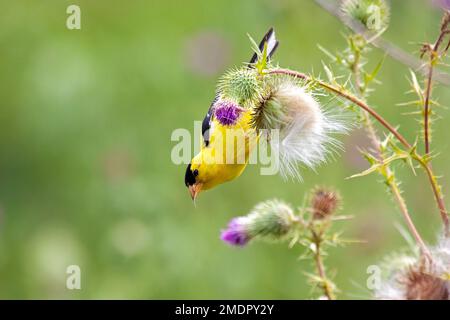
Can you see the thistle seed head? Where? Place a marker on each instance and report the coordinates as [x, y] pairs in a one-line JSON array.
[[441, 257], [373, 14], [420, 285], [303, 129], [324, 203], [419, 279], [269, 113]]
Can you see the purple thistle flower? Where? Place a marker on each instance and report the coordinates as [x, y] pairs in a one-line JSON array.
[[227, 112], [235, 234]]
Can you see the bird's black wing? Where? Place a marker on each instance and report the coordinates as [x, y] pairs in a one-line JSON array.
[[272, 45], [206, 124]]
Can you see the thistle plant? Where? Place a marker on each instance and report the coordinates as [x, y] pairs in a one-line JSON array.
[[426, 275], [310, 227]]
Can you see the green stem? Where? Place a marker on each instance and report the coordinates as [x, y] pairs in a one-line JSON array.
[[434, 56], [326, 284], [404, 210], [437, 193], [426, 121]]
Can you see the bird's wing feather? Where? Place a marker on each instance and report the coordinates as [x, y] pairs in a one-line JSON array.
[[206, 124], [272, 45]]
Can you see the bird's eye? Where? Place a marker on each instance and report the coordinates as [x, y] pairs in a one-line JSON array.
[[195, 172]]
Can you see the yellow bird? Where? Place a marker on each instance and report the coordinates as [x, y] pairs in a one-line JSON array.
[[225, 129], [223, 159]]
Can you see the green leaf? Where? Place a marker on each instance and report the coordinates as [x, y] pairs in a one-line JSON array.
[[416, 86], [255, 46], [369, 157], [369, 77], [261, 65], [410, 103], [410, 163], [328, 73], [380, 165], [372, 169], [328, 53]]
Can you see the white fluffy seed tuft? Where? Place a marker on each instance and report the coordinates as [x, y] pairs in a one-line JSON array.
[[415, 279], [306, 135]]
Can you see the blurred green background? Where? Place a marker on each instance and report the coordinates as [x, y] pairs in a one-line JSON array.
[[86, 176]]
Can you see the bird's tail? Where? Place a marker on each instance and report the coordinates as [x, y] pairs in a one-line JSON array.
[[272, 44]]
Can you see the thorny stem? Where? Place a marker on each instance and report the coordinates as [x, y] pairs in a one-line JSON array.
[[437, 194], [336, 90], [404, 209], [392, 183], [356, 73], [434, 55], [426, 122], [327, 288], [371, 132]]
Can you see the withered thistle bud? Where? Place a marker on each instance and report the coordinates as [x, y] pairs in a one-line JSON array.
[[324, 203], [420, 285], [415, 279]]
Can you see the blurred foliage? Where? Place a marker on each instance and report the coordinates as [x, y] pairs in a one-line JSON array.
[[85, 170]]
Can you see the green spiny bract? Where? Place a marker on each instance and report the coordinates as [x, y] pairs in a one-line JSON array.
[[240, 85], [373, 14], [268, 112], [271, 220]]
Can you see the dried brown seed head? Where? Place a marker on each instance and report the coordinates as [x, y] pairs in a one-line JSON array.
[[324, 203], [420, 285]]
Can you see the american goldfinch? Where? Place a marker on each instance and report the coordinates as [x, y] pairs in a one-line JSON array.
[[210, 167], [252, 104]]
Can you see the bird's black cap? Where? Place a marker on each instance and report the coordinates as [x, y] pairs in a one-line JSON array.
[[189, 178]]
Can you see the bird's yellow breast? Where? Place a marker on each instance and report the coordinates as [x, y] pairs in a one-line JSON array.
[[227, 153]]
